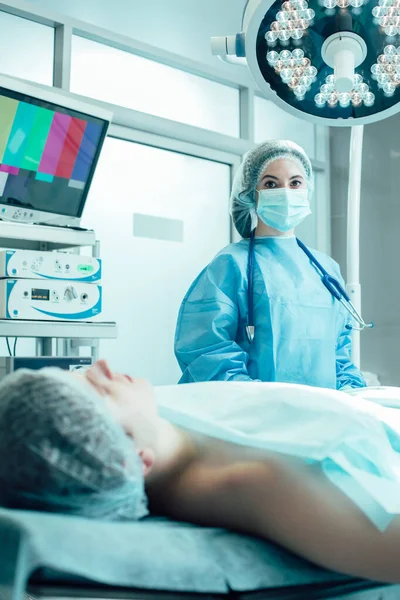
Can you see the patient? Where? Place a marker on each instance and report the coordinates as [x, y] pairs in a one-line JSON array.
[[75, 443]]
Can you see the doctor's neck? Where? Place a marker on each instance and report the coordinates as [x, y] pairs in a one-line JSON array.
[[263, 230]]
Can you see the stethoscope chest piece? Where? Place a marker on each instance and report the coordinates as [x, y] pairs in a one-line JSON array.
[[250, 331]]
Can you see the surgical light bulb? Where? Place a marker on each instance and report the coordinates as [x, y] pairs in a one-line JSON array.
[[390, 50], [311, 72], [356, 99], [357, 79], [300, 90], [320, 100], [297, 34], [287, 6], [356, 3], [326, 90], [271, 37], [333, 99], [303, 23], [389, 88], [285, 56], [363, 89], [390, 31], [306, 81], [272, 57], [282, 17], [330, 4], [284, 36], [343, 3], [369, 99], [298, 54], [376, 69], [286, 75], [344, 100], [330, 80], [383, 78]]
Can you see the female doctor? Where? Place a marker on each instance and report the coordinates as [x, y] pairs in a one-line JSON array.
[[260, 310]]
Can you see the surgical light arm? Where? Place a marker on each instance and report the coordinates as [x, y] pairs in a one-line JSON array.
[[229, 49]]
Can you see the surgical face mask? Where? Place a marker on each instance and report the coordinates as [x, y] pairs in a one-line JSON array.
[[283, 209]]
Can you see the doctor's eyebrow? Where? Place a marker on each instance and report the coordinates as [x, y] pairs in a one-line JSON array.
[[277, 178], [269, 177]]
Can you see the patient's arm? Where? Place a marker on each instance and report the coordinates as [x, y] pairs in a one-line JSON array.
[[292, 504]]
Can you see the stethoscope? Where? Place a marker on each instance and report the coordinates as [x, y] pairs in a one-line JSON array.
[[332, 285]]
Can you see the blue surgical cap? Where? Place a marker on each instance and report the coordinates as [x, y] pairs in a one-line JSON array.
[[243, 196], [61, 450]]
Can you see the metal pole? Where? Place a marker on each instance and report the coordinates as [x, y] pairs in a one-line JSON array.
[[44, 346], [353, 230]]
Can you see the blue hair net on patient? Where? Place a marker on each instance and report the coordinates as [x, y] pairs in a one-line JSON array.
[[243, 196], [61, 451]]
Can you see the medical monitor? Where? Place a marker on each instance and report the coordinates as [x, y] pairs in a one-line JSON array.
[[50, 143]]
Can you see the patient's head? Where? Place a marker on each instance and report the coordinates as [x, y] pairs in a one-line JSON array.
[[132, 404], [64, 449]]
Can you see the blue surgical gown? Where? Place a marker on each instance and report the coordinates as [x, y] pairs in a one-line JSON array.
[[300, 329]]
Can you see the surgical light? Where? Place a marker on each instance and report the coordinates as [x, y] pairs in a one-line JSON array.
[[334, 62]]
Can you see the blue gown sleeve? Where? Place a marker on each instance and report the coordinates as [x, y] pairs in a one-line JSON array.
[[347, 374], [207, 325]]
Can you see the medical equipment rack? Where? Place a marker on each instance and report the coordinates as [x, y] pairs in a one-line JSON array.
[[68, 336]]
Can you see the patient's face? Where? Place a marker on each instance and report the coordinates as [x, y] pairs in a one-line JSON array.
[[131, 402]]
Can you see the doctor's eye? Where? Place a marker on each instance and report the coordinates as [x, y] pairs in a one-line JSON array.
[[296, 183], [270, 185]]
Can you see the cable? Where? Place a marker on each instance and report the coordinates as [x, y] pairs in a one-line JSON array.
[[8, 346], [15, 346]]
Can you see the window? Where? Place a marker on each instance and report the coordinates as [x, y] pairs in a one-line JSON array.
[[27, 49], [105, 73]]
